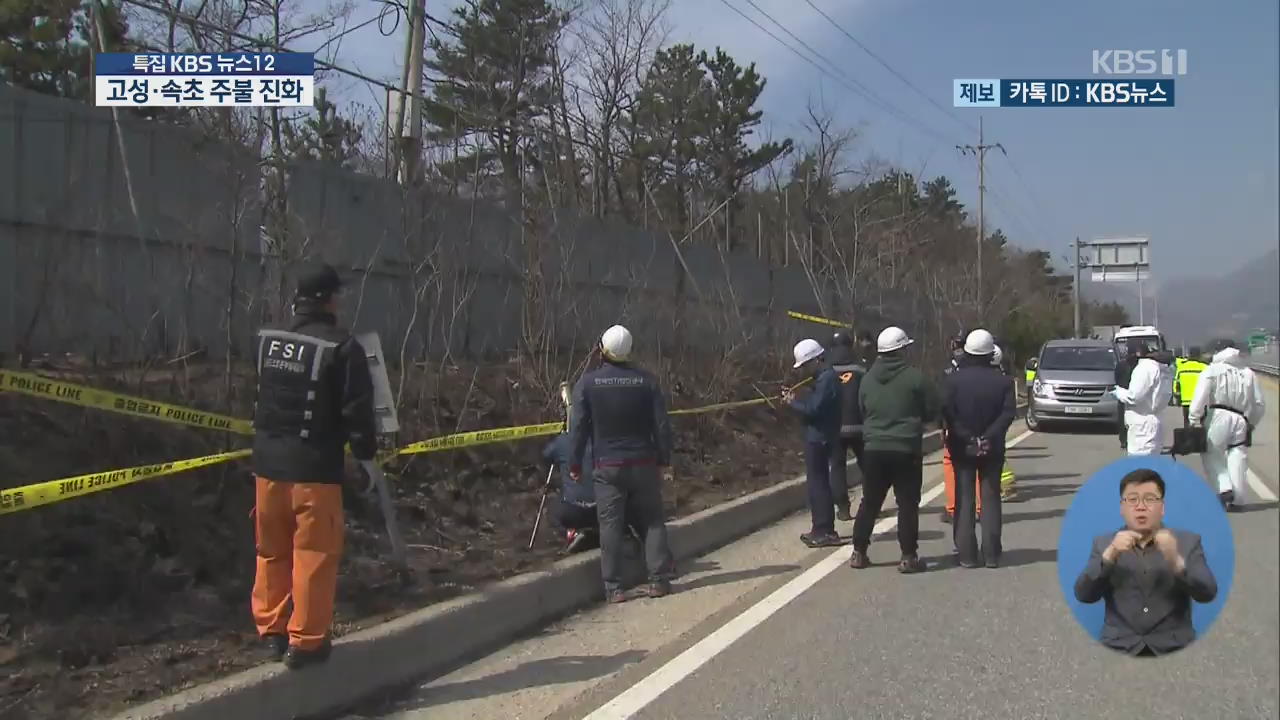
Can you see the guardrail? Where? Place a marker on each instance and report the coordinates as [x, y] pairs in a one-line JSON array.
[[1266, 368]]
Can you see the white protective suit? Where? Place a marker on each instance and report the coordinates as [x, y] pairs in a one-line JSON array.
[[1228, 381], [1150, 388]]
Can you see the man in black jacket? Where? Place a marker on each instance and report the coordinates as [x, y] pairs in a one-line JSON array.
[[1147, 573], [315, 395], [849, 365], [820, 410], [978, 407], [620, 410]]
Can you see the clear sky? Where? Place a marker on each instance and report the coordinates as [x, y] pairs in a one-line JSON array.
[[1200, 178]]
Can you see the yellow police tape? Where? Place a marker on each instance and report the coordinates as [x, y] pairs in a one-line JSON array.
[[31, 496], [481, 437], [72, 394], [45, 493], [816, 319]]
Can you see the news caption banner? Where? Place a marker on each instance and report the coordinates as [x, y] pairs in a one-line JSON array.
[[204, 79], [1146, 92]]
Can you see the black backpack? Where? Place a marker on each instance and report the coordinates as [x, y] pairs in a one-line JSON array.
[[850, 378]]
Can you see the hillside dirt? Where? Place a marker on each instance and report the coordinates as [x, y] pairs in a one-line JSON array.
[[122, 596]]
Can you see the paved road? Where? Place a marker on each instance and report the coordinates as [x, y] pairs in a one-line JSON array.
[[765, 628]]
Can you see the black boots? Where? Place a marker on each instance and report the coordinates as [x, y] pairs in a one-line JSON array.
[[297, 658], [278, 645]]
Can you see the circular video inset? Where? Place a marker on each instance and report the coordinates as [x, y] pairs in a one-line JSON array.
[[1146, 556]]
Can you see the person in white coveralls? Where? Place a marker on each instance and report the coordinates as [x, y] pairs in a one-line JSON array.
[[1229, 393], [1150, 388]]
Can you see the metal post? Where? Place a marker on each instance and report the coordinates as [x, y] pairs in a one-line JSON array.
[[1076, 290], [982, 189], [410, 110], [1142, 302], [759, 235]]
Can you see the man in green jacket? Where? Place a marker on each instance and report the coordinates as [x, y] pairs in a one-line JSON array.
[[895, 401]]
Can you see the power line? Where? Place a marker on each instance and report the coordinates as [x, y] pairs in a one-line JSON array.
[[388, 8], [888, 67], [1037, 205], [264, 43], [855, 87]]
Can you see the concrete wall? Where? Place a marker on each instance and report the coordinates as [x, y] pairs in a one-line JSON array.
[[80, 272]]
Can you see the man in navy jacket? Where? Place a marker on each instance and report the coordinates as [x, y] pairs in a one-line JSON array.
[[821, 412]]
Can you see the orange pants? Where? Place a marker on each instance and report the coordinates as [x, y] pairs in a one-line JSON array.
[[299, 530], [949, 481]]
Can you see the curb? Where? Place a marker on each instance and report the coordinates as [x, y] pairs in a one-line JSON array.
[[436, 639]]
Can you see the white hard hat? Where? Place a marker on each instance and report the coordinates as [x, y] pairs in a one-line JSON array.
[[980, 342], [616, 343], [806, 350], [892, 338], [997, 357]]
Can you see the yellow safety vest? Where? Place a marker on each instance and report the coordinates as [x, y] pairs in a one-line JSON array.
[[1186, 378], [1006, 477], [1031, 377]]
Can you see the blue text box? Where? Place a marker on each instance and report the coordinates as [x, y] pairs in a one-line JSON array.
[[975, 93], [142, 64], [1152, 92]]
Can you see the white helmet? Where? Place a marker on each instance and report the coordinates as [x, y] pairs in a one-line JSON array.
[[807, 350], [616, 343], [892, 338], [980, 342], [997, 357]]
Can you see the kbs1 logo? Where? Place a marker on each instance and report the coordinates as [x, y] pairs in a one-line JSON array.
[[1140, 62]]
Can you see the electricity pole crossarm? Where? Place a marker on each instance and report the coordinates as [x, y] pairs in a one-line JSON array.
[[980, 151]]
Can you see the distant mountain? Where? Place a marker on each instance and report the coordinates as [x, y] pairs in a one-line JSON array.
[[1197, 309]]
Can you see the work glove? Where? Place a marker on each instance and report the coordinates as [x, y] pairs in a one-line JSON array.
[[668, 475]]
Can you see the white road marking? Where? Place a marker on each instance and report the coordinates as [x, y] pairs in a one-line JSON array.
[[635, 698], [1260, 488]]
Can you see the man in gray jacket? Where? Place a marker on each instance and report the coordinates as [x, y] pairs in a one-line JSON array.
[[1147, 574]]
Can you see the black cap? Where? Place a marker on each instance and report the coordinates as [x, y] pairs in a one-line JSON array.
[[842, 339], [318, 281]]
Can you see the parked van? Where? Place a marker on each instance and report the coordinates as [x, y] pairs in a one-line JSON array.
[[1073, 384]]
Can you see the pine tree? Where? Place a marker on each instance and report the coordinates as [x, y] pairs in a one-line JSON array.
[[497, 82], [730, 120], [44, 44]]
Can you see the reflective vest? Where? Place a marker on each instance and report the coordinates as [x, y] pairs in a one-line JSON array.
[[1188, 375], [1031, 377], [293, 397]]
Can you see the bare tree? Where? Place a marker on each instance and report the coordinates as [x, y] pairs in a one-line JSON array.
[[619, 38]]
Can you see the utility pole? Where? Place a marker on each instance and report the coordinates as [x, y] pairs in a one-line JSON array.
[[408, 122], [1075, 287], [980, 151], [1142, 304]]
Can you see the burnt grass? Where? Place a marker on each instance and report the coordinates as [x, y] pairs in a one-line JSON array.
[[127, 595]]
